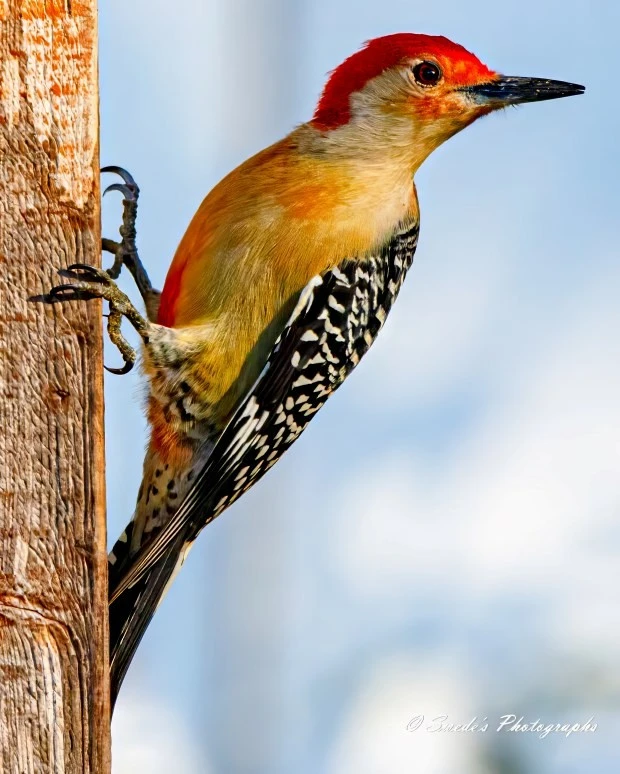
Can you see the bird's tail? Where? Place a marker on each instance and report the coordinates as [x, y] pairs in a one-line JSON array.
[[132, 611], [132, 606]]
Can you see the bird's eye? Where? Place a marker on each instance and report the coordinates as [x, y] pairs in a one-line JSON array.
[[427, 73]]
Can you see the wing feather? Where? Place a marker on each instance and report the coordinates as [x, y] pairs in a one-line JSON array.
[[335, 320]]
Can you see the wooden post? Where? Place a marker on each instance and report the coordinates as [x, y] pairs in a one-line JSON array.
[[54, 705]]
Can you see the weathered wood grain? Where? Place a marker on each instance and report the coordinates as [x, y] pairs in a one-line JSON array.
[[54, 714]]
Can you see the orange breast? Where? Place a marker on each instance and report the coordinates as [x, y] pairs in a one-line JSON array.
[[257, 239]]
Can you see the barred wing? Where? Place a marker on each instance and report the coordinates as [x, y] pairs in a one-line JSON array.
[[335, 320]]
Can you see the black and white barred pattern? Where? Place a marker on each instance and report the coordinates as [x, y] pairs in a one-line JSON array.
[[335, 321]]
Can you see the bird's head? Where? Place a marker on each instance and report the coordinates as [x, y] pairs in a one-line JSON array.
[[421, 87]]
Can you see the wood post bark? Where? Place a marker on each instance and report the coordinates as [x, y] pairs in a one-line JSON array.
[[54, 705]]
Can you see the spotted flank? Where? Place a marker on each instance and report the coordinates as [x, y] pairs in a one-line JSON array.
[[335, 321], [163, 489]]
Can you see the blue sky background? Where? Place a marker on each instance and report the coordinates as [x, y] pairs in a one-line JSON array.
[[444, 538]]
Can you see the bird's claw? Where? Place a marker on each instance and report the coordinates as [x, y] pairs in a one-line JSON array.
[[125, 252], [83, 272], [88, 282], [129, 193], [128, 353], [130, 190]]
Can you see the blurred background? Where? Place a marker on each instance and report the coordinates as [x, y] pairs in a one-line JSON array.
[[444, 539]]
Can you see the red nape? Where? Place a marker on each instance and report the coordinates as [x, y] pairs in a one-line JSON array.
[[379, 55]]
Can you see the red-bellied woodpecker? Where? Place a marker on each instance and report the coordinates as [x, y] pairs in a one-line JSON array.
[[280, 285]]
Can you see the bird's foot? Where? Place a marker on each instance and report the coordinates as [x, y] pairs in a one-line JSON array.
[[126, 252], [89, 282]]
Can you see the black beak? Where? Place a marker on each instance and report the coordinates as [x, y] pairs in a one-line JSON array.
[[509, 90]]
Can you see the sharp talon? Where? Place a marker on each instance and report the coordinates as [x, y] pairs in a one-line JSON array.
[[125, 251], [120, 371], [86, 268], [128, 191], [84, 272], [127, 178], [70, 293], [82, 267]]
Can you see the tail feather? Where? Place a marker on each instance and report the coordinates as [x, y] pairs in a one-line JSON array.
[[132, 611], [164, 486], [119, 554]]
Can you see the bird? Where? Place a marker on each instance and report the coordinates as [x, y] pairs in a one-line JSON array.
[[281, 283]]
